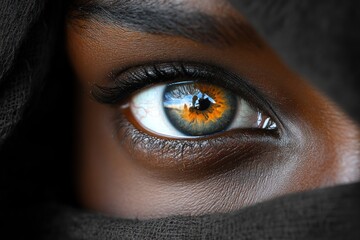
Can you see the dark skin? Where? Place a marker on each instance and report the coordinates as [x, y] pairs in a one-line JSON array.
[[315, 145]]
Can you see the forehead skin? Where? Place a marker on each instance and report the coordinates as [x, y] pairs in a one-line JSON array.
[[319, 145]]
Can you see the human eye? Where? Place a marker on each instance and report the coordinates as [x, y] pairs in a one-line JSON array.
[[174, 107], [189, 109]]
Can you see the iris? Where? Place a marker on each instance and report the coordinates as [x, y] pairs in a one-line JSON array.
[[197, 109]]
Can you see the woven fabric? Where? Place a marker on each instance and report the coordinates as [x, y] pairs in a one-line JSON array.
[[330, 213], [26, 36]]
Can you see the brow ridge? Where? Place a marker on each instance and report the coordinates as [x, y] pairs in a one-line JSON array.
[[167, 18]]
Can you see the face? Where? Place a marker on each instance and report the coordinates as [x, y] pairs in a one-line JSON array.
[[184, 109]]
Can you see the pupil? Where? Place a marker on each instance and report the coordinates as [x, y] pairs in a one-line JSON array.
[[202, 104]]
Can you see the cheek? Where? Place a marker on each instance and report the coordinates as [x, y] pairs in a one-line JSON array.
[[110, 181], [325, 140]]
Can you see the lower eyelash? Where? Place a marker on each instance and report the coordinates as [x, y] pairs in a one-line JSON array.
[[189, 158]]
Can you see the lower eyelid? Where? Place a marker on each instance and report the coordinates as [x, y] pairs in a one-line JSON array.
[[195, 158]]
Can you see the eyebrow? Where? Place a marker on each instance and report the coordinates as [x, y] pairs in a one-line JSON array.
[[167, 18]]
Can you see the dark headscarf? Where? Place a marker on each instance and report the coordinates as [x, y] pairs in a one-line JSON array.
[[318, 39], [33, 74]]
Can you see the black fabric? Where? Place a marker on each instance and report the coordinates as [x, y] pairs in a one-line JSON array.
[[318, 39], [330, 213], [35, 171], [26, 43], [35, 117]]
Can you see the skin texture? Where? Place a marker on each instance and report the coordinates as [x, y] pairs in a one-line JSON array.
[[135, 177]]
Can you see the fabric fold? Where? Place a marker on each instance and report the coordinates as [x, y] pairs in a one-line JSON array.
[[329, 213]]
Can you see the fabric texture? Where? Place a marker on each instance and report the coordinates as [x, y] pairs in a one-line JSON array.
[[23, 46], [34, 172], [318, 39], [330, 213]]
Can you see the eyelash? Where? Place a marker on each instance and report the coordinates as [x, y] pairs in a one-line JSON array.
[[133, 79], [182, 152]]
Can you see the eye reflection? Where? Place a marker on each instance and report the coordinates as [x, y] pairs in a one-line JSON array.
[[194, 109], [197, 109]]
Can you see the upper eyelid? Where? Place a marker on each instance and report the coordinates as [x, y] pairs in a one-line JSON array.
[[130, 78], [125, 82]]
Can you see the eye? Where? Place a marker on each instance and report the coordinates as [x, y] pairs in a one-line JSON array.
[[189, 109], [168, 114]]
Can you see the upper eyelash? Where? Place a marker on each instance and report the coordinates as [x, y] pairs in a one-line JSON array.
[[128, 81]]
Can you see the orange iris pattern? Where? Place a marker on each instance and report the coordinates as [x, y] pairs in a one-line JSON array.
[[213, 113], [196, 108]]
